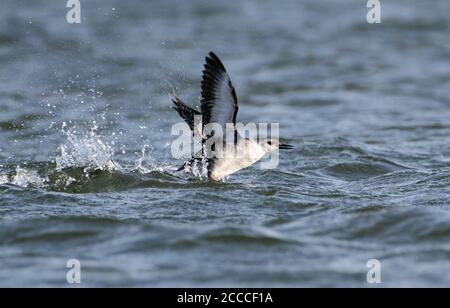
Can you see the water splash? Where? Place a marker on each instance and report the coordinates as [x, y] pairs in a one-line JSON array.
[[4, 179], [85, 150], [197, 168], [145, 162], [24, 177], [86, 162], [27, 178]]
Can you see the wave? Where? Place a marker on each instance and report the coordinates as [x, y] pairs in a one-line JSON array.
[[85, 164]]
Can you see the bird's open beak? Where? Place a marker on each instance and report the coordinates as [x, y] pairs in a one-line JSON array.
[[286, 146]]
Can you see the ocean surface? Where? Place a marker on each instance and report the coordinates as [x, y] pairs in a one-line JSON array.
[[86, 170]]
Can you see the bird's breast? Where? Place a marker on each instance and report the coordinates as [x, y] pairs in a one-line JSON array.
[[234, 159]]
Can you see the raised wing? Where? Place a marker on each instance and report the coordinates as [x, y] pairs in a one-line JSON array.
[[219, 101], [186, 112]]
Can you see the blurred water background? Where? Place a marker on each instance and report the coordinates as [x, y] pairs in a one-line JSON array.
[[86, 170]]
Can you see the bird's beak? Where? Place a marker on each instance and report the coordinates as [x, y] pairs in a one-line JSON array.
[[284, 146]]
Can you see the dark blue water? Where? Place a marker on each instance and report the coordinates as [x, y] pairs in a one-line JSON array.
[[86, 170]]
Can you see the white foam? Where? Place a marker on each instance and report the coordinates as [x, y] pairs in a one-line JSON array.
[[3, 179], [27, 178]]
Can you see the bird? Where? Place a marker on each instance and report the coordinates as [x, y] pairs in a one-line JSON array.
[[219, 106]]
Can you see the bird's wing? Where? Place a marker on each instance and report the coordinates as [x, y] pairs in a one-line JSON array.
[[218, 101], [186, 112]]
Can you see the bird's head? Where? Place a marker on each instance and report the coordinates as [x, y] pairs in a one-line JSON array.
[[269, 145]]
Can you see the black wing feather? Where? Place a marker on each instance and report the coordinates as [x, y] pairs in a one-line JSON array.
[[186, 112], [219, 102]]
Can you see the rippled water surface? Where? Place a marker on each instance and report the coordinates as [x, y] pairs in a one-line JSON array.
[[85, 130]]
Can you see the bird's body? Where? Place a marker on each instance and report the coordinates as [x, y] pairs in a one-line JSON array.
[[231, 162], [219, 106]]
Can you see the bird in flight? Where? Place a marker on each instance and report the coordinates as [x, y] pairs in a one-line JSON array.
[[219, 107]]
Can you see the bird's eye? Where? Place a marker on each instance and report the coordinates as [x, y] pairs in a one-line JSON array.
[[269, 142]]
